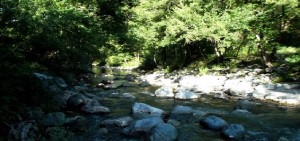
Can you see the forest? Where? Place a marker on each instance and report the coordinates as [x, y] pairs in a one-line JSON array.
[[66, 38]]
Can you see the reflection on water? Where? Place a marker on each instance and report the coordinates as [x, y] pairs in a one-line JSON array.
[[267, 120]]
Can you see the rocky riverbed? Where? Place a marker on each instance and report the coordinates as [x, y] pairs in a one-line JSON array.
[[242, 105]]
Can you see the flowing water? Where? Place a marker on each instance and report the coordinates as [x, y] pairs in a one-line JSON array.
[[269, 122]]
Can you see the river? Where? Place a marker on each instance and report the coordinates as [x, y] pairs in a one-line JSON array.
[[267, 122]]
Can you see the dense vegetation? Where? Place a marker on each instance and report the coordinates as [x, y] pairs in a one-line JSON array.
[[66, 36]]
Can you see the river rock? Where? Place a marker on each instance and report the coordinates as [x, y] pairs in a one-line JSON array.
[[202, 111], [262, 90], [284, 97], [245, 104], [182, 113], [233, 132], [145, 84], [54, 119], [179, 109], [94, 107], [121, 122], [76, 100], [213, 123], [129, 84], [202, 84], [142, 126], [130, 77], [128, 96], [238, 87], [282, 93], [163, 132], [164, 91], [242, 113], [144, 110], [186, 94]]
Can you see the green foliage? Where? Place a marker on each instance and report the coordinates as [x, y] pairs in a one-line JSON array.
[[118, 59], [68, 35], [227, 29], [290, 55], [43, 35]]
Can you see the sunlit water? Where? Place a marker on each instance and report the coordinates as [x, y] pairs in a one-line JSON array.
[[267, 120]]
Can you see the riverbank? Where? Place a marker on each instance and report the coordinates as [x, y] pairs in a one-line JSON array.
[[125, 105], [246, 83]]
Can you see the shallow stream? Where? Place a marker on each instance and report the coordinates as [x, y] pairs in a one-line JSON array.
[[268, 122]]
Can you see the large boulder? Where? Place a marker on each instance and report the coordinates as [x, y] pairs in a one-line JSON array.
[[144, 110], [120, 122], [282, 93], [234, 132], [142, 127], [182, 113], [238, 87], [245, 104], [202, 84], [213, 123], [94, 107], [242, 113], [164, 91], [144, 84], [186, 94], [163, 132]]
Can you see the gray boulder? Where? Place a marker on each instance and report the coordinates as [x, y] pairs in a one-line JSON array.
[[234, 132], [238, 87], [242, 113], [128, 96], [142, 109], [120, 122], [163, 132], [246, 104], [179, 109], [142, 126], [213, 123], [186, 94], [145, 84], [183, 113], [94, 107], [130, 77], [164, 91]]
